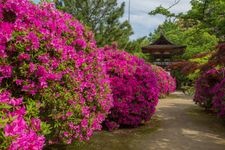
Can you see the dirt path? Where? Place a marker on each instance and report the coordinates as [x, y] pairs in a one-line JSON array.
[[185, 126], [178, 125]]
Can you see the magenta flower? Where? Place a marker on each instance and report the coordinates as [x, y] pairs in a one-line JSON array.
[[24, 56], [36, 124], [34, 40], [81, 43], [16, 127], [6, 71]]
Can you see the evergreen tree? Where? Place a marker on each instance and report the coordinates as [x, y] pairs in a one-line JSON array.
[[102, 17]]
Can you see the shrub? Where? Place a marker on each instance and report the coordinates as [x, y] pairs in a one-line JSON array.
[[134, 89], [219, 98], [205, 87], [52, 80], [165, 82]]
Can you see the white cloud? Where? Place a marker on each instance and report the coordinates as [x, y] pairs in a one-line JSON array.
[[144, 24]]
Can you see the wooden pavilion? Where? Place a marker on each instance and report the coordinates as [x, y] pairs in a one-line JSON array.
[[162, 51]]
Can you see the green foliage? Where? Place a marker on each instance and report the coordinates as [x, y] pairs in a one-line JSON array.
[[209, 14], [193, 76], [32, 108], [201, 60], [170, 29], [181, 79], [4, 141], [102, 17], [163, 11], [197, 41]]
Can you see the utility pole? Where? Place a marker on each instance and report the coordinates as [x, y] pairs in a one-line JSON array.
[[129, 11]]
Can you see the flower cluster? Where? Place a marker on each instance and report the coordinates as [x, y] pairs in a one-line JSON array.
[[210, 91], [25, 133], [51, 75], [219, 97], [165, 82], [134, 89], [204, 87]]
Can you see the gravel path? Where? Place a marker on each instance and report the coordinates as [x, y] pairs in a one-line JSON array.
[[178, 125]]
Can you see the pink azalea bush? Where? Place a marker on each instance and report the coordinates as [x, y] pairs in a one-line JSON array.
[[204, 88], [134, 89], [52, 79], [210, 91], [165, 82], [219, 97]]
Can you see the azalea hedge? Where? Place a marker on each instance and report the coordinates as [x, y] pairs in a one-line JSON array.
[[57, 86], [54, 88], [134, 88], [210, 91]]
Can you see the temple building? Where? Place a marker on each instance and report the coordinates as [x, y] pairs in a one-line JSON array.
[[162, 51]]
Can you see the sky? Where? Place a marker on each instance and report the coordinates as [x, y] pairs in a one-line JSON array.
[[141, 22]]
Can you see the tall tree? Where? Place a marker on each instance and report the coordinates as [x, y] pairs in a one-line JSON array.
[[101, 16], [210, 14]]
